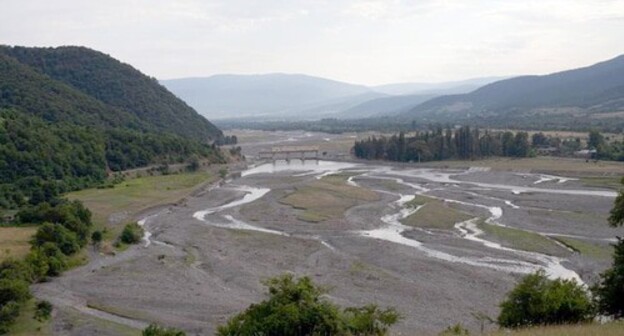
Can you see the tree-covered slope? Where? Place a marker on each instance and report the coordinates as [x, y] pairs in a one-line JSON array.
[[591, 93], [118, 86], [24, 89], [71, 116]]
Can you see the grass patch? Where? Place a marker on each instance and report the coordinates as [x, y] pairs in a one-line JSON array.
[[27, 325], [611, 182], [593, 329], [78, 319], [544, 164], [434, 214], [137, 194], [15, 241], [327, 198], [591, 250], [523, 240]]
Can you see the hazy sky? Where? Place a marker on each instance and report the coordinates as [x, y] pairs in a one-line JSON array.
[[367, 42]]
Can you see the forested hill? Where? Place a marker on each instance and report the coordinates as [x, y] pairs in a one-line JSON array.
[[105, 90], [590, 95], [69, 117]]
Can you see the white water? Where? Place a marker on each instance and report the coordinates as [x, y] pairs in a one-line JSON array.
[[251, 194], [440, 177], [393, 232], [310, 167], [393, 229]]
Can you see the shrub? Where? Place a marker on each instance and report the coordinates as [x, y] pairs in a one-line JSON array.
[[155, 330], [457, 329], [43, 310], [131, 233], [297, 307], [609, 292], [537, 300], [66, 240]]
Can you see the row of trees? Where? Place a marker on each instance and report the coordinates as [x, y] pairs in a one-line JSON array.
[[439, 144]]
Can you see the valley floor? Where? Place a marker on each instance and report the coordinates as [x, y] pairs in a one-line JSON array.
[[438, 243]]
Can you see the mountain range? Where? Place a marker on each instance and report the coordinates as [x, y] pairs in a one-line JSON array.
[[593, 94], [294, 96]]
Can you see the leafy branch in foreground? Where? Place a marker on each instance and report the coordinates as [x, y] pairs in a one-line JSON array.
[[298, 307]]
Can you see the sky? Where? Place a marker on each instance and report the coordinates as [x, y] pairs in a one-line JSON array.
[[365, 42]]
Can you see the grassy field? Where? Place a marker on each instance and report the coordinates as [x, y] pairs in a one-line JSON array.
[[434, 214], [591, 250], [15, 241], [613, 182], [608, 329], [327, 198], [136, 195], [554, 165], [523, 240]]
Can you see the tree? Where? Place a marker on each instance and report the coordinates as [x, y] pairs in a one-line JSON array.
[[66, 240], [131, 234], [297, 307], [610, 289], [96, 238], [596, 140], [156, 330], [537, 300]]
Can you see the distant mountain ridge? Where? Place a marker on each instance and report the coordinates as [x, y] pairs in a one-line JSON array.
[[222, 96], [295, 96], [590, 93]]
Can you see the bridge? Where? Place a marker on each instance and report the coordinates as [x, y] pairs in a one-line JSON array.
[[291, 152]]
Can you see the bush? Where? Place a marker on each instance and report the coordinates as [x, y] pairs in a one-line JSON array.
[[537, 300], [66, 240], [131, 234], [43, 310], [457, 329], [609, 292], [155, 330], [296, 307], [8, 313]]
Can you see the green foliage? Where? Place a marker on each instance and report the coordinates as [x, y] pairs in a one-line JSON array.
[[131, 233], [156, 330], [43, 310], [69, 115], [456, 329], [609, 292], [8, 313], [616, 217], [96, 237], [90, 88], [537, 300], [370, 320], [464, 143], [57, 234], [297, 307]]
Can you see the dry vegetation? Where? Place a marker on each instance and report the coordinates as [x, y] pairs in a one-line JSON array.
[[15, 241], [327, 198]]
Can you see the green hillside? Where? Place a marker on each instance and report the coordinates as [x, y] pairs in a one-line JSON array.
[[119, 86], [70, 116]]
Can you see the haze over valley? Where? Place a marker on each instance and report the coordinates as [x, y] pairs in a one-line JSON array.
[[306, 168]]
